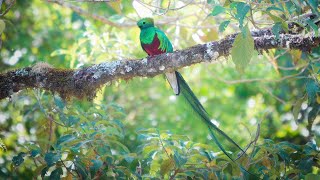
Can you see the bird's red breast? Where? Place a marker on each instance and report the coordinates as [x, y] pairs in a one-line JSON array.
[[153, 48]]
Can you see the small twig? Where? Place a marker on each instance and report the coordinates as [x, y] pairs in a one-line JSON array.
[[276, 97], [176, 171], [254, 143], [92, 15], [67, 168], [160, 8], [35, 162], [44, 111], [50, 132], [8, 8], [162, 145], [262, 79]]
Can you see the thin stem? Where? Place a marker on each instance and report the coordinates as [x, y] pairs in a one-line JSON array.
[[8, 8]]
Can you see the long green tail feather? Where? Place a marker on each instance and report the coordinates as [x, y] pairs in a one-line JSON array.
[[193, 101]]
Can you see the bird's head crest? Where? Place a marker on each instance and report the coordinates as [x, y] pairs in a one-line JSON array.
[[145, 23]]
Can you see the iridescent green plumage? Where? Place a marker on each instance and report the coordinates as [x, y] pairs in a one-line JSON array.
[[148, 32]]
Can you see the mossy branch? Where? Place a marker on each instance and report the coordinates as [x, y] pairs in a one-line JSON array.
[[84, 82]]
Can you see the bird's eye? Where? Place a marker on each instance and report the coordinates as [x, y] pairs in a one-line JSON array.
[[143, 22]]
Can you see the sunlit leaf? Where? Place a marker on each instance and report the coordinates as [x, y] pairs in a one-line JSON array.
[[223, 25], [2, 26], [242, 10], [314, 5], [313, 26], [242, 50], [311, 176], [217, 10], [274, 8], [117, 18]]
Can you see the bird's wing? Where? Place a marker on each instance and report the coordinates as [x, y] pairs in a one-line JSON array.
[[165, 43]]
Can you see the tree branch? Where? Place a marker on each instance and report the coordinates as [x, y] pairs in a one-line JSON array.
[[84, 82]]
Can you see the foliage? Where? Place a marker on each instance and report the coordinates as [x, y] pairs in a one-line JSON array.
[[138, 129]]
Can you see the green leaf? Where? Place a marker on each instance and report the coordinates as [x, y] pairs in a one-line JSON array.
[[179, 160], [59, 102], [314, 5], [56, 174], [297, 106], [312, 88], [312, 176], [2, 26], [35, 152], [18, 160], [130, 157], [313, 114], [290, 7], [313, 26], [166, 166], [242, 10], [310, 149], [112, 131], [51, 158], [276, 29], [305, 164], [275, 18], [65, 139], [104, 149], [76, 147], [223, 25], [81, 169], [242, 50], [117, 18], [211, 1], [217, 10], [71, 120], [96, 165], [274, 8]]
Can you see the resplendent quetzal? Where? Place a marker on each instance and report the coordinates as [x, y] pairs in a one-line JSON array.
[[154, 42]]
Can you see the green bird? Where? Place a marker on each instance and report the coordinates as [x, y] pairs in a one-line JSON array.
[[153, 42]]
